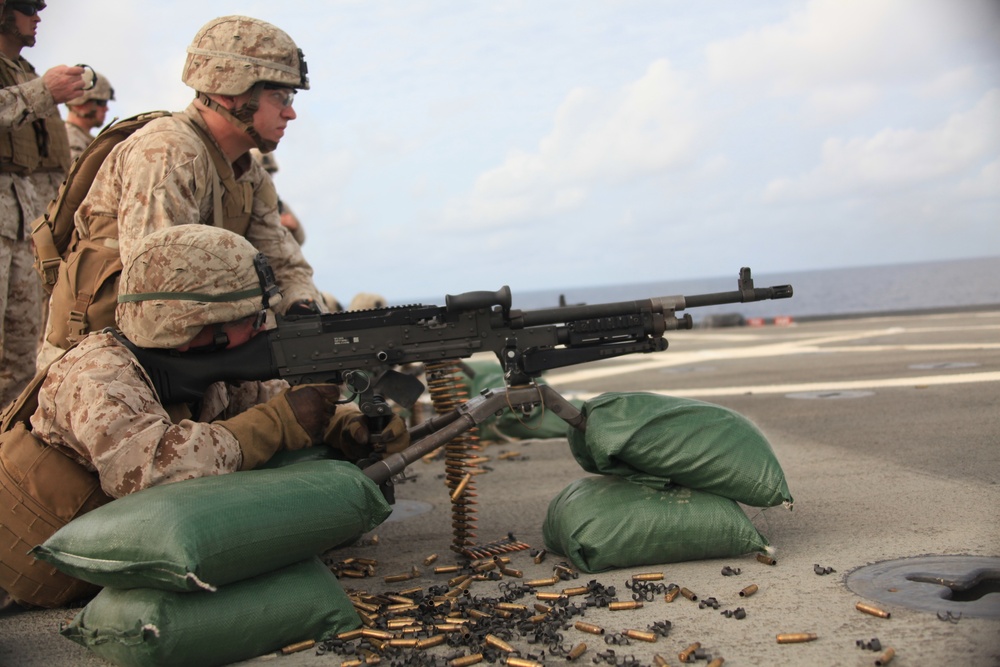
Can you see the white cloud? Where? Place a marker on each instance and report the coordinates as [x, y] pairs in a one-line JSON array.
[[984, 185], [894, 159], [645, 128]]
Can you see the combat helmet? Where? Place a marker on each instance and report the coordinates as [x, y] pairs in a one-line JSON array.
[[232, 55], [101, 90], [180, 279]]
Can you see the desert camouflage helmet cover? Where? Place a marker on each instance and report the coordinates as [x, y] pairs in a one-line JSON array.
[[232, 53], [102, 90], [179, 279]]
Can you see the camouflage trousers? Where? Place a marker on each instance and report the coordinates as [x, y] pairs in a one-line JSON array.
[[20, 317]]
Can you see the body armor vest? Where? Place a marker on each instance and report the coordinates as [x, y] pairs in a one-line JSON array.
[[41, 145]]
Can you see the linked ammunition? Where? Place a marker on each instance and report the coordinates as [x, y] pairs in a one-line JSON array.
[[466, 661], [583, 626], [641, 635], [649, 576], [886, 657], [300, 646], [428, 642], [688, 594], [685, 655], [874, 611], [460, 489], [748, 591], [499, 644], [621, 606], [796, 637], [766, 560], [576, 651]]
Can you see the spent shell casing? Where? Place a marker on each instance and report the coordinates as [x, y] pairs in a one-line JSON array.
[[534, 583], [511, 572], [397, 623], [428, 642], [540, 556], [796, 637], [300, 646], [549, 596], [583, 626], [467, 660], [718, 662], [497, 643], [672, 593], [648, 576], [685, 655], [640, 635], [874, 611], [350, 635], [430, 559], [460, 489], [660, 661], [403, 642], [351, 663], [579, 590], [766, 560], [510, 606], [523, 662], [886, 657], [748, 591], [576, 651], [447, 569], [621, 606], [373, 633], [688, 594]]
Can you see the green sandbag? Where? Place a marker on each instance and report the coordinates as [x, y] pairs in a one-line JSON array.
[[142, 627], [603, 523], [661, 440], [538, 424], [208, 532]]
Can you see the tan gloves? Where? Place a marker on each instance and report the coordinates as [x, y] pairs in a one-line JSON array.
[[294, 419], [348, 432]]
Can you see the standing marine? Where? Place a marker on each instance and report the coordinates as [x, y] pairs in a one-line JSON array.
[[86, 113]]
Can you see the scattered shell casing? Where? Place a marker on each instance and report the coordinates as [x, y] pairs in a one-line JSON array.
[[403, 642], [549, 596], [522, 662], [396, 623], [874, 611], [589, 627], [576, 652], [447, 569], [542, 608], [466, 661], [886, 657], [300, 646], [685, 655], [718, 662], [410, 592], [460, 489], [430, 559], [460, 579], [796, 637], [428, 642], [648, 576], [688, 594], [579, 590], [497, 643], [350, 635], [660, 661], [511, 606], [766, 560], [540, 556], [376, 634], [748, 591], [551, 581], [477, 614], [672, 594], [621, 606], [641, 635]]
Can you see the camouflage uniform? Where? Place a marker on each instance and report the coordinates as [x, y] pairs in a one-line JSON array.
[[23, 197], [79, 139]]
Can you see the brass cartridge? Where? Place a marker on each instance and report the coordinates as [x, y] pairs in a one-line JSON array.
[[589, 627], [403, 642], [510, 606], [718, 662], [688, 594], [660, 661], [460, 489], [874, 611], [551, 581], [522, 662], [540, 556], [886, 657], [466, 661], [376, 634], [672, 594], [796, 637], [460, 579], [766, 560], [497, 643], [447, 569], [641, 635], [549, 596], [648, 576], [430, 559], [350, 635], [428, 642], [685, 655], [576, 651], [621, 606], [579, 590], [541, 608], [300, 646], [748, 591], [511, 572], [477, 614]]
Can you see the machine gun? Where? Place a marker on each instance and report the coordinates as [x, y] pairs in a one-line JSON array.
[[361, 348]]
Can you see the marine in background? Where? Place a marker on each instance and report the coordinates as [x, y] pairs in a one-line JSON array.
[[190, 167], [87, 113], [34, 156]]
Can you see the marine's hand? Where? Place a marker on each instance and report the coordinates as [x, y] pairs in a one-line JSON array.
[[64, 82], [302, 307], [353, 437], [313, 406]]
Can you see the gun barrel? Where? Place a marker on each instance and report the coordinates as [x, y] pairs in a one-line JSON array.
[[755, 294]]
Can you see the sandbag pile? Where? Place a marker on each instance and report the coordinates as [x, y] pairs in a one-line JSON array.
[[672, 472], [218, 569]]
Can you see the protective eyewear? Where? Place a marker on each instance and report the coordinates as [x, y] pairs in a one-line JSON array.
[[27, 10], [282, 95]]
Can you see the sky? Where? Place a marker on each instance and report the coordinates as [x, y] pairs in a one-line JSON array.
[[454, 145]]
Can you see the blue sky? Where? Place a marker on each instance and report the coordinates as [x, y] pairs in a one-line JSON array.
[[449, 145]]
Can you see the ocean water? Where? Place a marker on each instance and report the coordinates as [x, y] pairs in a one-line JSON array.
[[821, 293]]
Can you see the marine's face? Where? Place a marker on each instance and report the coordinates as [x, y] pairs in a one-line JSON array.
[[275, 113], [94, 111], [26, 19]]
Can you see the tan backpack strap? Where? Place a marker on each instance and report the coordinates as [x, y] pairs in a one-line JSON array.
[[47, 257], [21, 408]]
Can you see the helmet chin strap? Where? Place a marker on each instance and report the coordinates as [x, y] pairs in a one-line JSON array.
[[242, 118]]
